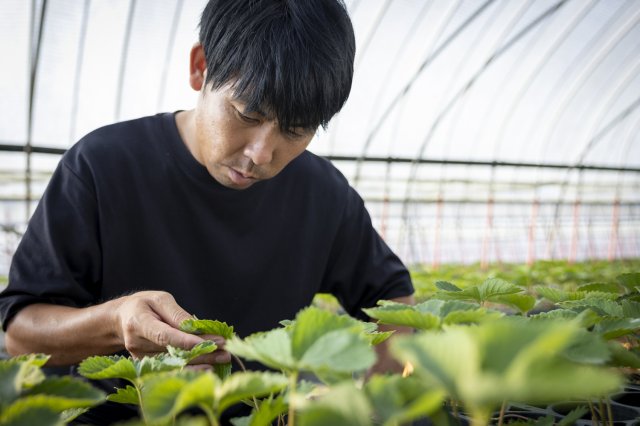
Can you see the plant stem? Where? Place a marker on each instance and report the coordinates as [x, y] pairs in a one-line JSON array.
[[594, 417], [502, 410], [213, 420], [293, 381]]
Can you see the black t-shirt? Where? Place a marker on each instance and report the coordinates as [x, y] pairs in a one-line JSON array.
[[130, 209]]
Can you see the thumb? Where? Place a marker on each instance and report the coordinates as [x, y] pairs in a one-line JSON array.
[[169, 310]]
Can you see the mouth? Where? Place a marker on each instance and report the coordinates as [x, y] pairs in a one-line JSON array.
[[240, 178]]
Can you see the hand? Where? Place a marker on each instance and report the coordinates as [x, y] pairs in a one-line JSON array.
[[148, 321]]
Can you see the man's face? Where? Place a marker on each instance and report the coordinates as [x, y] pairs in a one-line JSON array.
[[238, 147]]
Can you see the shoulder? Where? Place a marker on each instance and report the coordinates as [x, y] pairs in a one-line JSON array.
[[115, 143], [318, 171]]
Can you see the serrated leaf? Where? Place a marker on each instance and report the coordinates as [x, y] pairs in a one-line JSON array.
[[600, 305], [19, 373], [35, 410], [471, 316], [469, 293], [573, 415], [108, 367], [494, 287], [522, 302], [243, 385], [157, 364], [339, 351], [71, 414], [630, 280], [37, 360], [345, 405], [128, 395], [213, 327], [588, 348], [447, 286], [378, 337], [201, 348], [404, 315], [630, 309], [399, 400], [311, 323], [556, 295], [271, 348], [71, 392], [165, 395], [600, 287], [622, 357], [267, 411], [614, 328]]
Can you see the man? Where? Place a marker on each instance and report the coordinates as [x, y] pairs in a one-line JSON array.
[[218, 212]]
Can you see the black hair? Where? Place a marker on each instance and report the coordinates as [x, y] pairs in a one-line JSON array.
[[292, 58]]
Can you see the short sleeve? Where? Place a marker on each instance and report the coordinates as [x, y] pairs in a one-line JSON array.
[[362, 268], [58, 258]]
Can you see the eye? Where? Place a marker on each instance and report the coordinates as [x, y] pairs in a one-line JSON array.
[[246, 118]]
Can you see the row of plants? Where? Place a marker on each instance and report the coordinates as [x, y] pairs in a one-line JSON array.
[[480, 354]]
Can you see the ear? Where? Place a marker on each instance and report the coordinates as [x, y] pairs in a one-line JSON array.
[[197, 67]]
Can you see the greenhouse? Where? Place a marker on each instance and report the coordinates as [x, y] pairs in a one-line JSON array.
[[495, 145]]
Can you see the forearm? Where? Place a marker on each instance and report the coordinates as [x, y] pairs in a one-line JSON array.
[[386, 363], [68, 334]]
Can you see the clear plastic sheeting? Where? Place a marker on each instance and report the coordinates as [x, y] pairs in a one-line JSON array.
[[476, 130]]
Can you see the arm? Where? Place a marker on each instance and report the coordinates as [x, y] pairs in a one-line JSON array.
[[142, 323], [385, 363]]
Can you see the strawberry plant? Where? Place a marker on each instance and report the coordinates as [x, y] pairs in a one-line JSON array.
[[28, 397]]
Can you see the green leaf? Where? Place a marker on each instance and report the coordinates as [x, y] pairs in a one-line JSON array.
[[165, 395], [68, 391], [588, 348], [404, 315], [213, 327], [447, 286], [630, 280], [600, 287], [522, 302], [243, 385], [630, 309], [19, 373], [601, 305], [471, 317], [71, 414], [398, 400], [573, 415], [268, 410], [345, 405], [378, 337], [108, 367], [128, 395], [556, 295], [35, 410], [339, 351], [614, 328], [271, 348], [37, 360], [158, 363], [494, 287], [311, 323], [622, 357], [201, 348]]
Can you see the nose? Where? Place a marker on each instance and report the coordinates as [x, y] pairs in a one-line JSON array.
[[262, 145]]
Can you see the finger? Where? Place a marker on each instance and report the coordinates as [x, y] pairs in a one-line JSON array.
[[163, 334], [218, 340], [168, 309], [217, 357], [200, 367]]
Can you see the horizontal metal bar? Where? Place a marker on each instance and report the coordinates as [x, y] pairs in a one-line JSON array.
[[32, 149], [60, 151], [481, 163]]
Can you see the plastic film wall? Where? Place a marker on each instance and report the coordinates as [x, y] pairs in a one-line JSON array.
[[493, 130]]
